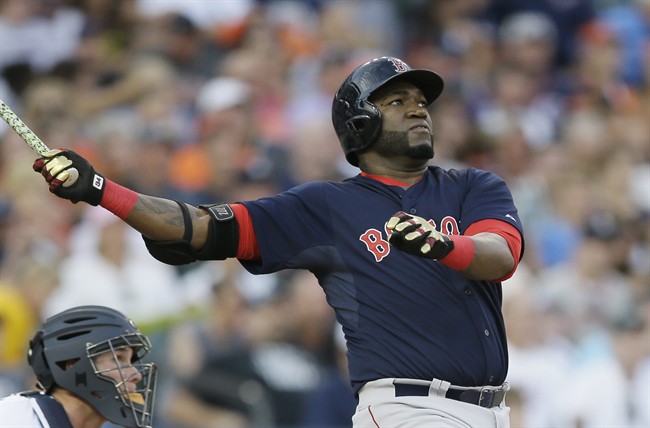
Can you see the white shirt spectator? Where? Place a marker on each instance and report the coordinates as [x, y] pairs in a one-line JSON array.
[[109, 265], [205, 14], [41, 42]]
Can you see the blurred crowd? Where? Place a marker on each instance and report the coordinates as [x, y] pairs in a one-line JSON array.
[[228, 100]]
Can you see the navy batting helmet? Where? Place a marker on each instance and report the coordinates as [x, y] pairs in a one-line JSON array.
[[62, 354], [356, 120]]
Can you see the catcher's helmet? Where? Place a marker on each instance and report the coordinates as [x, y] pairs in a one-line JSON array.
[[62, 355], [356, 120]]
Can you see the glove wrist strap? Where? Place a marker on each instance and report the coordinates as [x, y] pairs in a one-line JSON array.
[[462, 255]]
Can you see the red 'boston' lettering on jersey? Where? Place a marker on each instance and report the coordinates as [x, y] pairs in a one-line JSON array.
[[449, 226], [375, 244]]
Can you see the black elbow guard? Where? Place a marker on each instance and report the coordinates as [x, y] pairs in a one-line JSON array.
[[176, 252], [171, 252], [222, 240], [223, 233]]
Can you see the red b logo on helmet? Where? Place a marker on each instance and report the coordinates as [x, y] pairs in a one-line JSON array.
[[400, 66]]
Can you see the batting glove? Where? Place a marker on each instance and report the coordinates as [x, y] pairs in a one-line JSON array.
[[414, 235], [70, 176]]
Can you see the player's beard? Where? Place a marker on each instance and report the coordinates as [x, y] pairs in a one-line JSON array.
[[393, 143]]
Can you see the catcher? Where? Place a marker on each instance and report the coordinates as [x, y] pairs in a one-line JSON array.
[[87, 362]]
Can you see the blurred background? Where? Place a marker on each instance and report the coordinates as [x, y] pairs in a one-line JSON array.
[[227, 100]]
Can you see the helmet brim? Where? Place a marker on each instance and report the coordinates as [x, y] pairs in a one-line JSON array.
[[430, 83]]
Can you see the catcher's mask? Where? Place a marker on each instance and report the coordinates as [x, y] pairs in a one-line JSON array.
[[63, 354], [356, 120]]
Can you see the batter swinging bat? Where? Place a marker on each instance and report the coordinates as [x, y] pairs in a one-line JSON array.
[[31, 138]]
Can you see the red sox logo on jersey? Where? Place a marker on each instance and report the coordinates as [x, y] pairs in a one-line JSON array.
[[400, 66], [380, 248]]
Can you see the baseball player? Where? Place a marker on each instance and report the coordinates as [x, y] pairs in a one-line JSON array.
[[87, 365], [410, 256]]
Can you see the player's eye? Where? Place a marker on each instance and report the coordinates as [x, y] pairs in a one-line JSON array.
[[124, 355]]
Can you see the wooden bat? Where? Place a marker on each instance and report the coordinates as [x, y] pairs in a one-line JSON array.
[[31, 139]]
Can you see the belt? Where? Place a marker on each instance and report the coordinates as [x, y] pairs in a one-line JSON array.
[[484, 396]]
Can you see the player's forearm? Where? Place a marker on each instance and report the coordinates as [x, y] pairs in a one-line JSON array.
[[492, 258], [162, 220], [158, 219]]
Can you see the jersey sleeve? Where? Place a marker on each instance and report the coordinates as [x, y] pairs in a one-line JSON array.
[[488, 197], [289, 228]]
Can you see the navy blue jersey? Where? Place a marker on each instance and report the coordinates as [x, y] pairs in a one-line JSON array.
[[403, 316]]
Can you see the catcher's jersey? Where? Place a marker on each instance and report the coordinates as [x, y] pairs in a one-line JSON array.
[[19, 411], [403, 316]]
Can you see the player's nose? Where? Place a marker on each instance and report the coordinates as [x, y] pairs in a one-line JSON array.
[[132, 374], [417, 109]]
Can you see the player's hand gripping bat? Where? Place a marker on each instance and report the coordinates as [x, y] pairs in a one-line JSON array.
[[414, 235], [32, 140]]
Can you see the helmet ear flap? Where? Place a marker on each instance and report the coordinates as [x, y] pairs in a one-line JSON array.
[[365, 127], [38, 361], [357, 124]]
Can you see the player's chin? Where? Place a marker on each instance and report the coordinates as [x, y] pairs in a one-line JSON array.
[[421, 149], [417, 138]]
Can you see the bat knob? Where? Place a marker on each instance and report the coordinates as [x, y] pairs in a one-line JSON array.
[[73, 175]]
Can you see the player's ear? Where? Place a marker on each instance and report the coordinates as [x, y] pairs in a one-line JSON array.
[[70, 363]]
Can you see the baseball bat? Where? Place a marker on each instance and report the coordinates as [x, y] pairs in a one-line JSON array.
[[31, 139]]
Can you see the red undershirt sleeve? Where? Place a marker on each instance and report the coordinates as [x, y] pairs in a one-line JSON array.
[[248, 248], [506, 231]]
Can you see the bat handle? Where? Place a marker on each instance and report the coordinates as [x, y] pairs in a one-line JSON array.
[[31, 139]]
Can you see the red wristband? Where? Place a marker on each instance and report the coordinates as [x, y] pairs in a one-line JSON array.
[[118, 200], [462, 255]]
